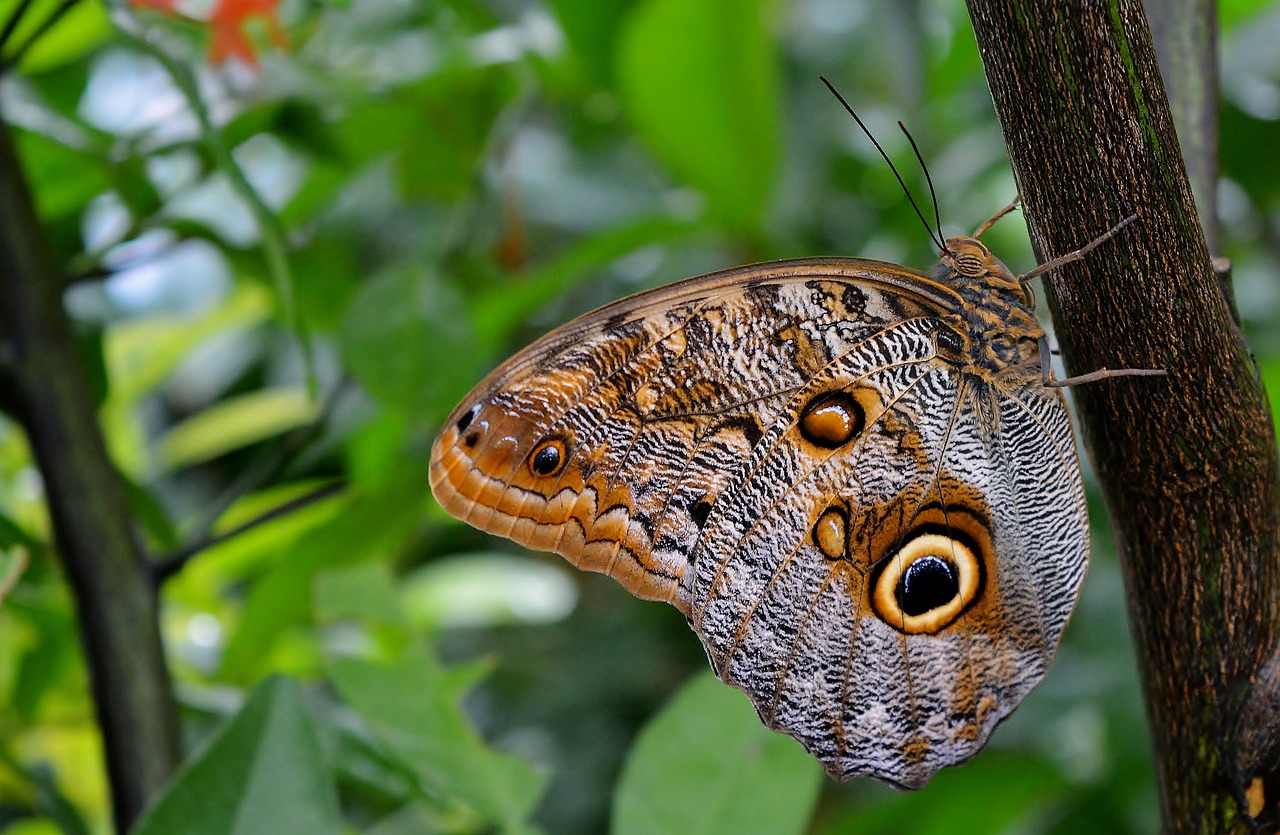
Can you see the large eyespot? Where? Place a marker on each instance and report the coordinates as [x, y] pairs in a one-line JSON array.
[[925, 586], [548, 457]]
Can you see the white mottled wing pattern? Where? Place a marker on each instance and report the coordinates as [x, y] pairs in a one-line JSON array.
[[879, 547]]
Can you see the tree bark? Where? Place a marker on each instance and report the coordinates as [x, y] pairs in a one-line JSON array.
[[48, 389], [1187, 463], [1185, 33]]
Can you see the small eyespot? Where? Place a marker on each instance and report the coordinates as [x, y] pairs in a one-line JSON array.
[[464, 420], [832, 420], [927, 584], [831, 532], [471, 440], [548, 457]]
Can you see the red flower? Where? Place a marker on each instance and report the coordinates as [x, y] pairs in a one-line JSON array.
[[228, 24]]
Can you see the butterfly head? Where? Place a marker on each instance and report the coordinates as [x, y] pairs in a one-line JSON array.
[[970, 259], [967, 263]]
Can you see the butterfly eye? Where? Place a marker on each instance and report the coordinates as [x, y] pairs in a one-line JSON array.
[[548, 457], [832, 420], [925, 586]]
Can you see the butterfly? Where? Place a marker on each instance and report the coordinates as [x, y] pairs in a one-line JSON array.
[[858, 482]]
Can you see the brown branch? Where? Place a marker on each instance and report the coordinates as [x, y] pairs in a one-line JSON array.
[[1185, 34], [1187, 463], [92, 526]]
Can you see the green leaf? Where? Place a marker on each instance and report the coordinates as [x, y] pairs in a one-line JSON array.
[[236, 423], [81, 29], [591, 27], [405, 337], [141, 354], [64, 178], [706, 764], [700, 80], [11, 534], [372, 524], [263, 772], [363, 592], [500, 310], [413, 706], [994, 793]]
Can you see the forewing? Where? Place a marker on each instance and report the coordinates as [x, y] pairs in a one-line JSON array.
[[611, 440]]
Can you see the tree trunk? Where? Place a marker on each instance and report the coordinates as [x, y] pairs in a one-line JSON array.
[[47, 387], [1187, 462]]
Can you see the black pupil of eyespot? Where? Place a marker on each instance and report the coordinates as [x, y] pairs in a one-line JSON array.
[[928, 583], [546, 460]]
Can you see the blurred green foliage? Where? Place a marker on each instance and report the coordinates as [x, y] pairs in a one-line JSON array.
[[445, 179]]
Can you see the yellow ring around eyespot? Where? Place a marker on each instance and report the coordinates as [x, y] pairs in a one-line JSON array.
[[958, 554]]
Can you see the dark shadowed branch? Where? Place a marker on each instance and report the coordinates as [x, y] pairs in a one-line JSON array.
[[1187, 463], [50, 396]]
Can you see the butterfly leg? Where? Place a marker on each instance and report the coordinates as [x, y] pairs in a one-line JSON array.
[[991, 221], [1079, 254], [1046, 371]]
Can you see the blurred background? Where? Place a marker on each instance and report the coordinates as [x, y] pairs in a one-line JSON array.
[[298, 232]]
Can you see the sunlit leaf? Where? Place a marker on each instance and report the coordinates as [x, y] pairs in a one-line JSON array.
[[82, 28], [706, 764], [700, 80], [488, 590], [236, 422], [263, 772], [141, 353]]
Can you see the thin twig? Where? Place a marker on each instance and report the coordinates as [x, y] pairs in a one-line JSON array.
[[166, 567], [21, 52], [263, 469]]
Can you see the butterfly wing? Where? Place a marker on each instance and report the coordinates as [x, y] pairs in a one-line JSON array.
[[771, 449], [608, 440], [889, 601]]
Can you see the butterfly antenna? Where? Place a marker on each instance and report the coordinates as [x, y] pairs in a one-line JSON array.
[[933, 195], [933, 236]]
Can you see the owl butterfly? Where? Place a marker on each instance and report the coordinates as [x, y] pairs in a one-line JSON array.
[[858, 482]]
